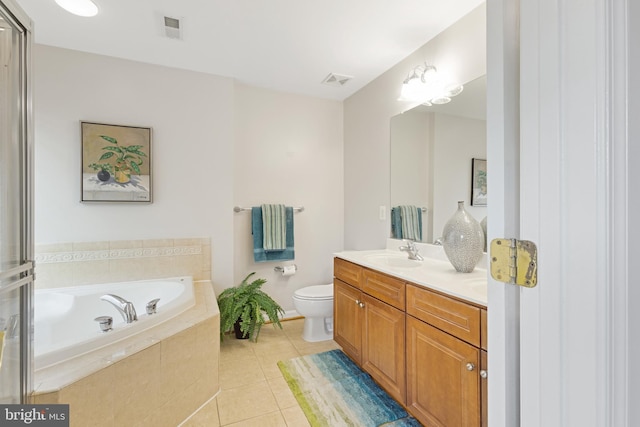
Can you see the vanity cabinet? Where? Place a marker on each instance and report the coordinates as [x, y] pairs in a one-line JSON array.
[[369, 325], [443, 359], [427, 350]]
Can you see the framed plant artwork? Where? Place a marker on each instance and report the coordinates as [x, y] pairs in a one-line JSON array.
[[478, 182], [116, 163]]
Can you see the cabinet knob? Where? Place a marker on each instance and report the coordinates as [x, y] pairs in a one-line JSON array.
[[484, 374], [358, 302], [361, 305], [470, 366]]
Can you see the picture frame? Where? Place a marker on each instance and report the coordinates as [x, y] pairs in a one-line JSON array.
[[478, 182], [116, 163]]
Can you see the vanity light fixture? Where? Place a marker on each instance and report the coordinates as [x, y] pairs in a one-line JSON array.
[[425, 85], [79, 7]]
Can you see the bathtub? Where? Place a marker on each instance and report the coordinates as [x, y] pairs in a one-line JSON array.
[[64, 317]]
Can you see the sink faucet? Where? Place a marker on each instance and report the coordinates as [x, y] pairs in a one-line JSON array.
[[126, 308], [411, 250]]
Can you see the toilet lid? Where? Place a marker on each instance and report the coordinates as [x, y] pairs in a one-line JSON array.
[[319, 292]]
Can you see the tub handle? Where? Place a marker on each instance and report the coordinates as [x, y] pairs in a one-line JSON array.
[[106, 323], [152, 306]]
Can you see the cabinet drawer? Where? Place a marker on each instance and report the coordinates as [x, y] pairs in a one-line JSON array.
[[347, 271], [385, 288], [455, 317]]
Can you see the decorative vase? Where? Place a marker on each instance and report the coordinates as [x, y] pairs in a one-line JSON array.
[[483, 224], [462, 240]]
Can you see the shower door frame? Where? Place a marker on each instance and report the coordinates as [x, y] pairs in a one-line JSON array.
[[24, 271]]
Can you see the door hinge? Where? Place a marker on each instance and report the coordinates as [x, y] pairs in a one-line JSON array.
[[514, 261]]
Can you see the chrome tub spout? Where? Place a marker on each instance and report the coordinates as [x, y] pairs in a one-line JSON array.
[[124, 307]]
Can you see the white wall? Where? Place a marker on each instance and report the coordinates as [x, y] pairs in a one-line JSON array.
[[216, 144], [456, 141], [289, 150], [192, 146], [459, 52]]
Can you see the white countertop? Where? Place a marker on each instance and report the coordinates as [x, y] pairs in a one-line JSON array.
[[435, 272]]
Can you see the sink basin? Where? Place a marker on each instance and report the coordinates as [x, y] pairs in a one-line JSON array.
[[393, 260]]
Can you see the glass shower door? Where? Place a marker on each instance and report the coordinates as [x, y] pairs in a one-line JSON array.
[[16, 242]]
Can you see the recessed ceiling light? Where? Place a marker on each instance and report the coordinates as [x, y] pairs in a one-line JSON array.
[[79, 7]]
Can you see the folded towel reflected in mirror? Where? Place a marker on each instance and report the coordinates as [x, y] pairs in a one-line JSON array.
[[406, 222]]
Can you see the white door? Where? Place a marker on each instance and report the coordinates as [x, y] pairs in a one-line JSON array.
[[562, 139]]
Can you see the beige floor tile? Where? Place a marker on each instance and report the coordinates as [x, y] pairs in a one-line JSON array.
[[245, 402], [305, 348], [254, 393], [232, 348], [240, 372], [294, 417], [269, 362], [282, 392], [273, 419], [207, 416]]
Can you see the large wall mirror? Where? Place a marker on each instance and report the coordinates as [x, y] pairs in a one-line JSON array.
[[431, 158]]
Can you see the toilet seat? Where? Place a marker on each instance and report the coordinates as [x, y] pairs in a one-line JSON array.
[[315, 293]]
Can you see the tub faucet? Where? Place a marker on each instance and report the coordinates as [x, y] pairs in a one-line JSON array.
[[411, 250], [126, 308]]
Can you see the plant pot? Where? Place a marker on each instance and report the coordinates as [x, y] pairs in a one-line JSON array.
[[122, 176], [239, 334]]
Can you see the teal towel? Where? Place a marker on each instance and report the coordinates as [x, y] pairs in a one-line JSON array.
[[411, 222], [406, 223], [396, 223], [274, 228], [259, 254]]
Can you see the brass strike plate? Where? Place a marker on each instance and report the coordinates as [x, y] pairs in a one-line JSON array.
[[514, 261]]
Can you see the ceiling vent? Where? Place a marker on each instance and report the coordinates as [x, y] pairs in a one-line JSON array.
[[172, 27], [338, 80]]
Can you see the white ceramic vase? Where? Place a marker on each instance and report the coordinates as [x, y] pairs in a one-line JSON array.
[[483, 224], [463, 240]]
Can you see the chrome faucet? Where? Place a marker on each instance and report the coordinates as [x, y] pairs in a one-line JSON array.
[[126, 308], [411, 250]]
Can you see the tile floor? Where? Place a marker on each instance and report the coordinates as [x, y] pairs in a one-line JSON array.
[[253, 392]]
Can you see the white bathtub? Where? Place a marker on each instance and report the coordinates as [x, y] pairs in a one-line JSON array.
[[64, 317]]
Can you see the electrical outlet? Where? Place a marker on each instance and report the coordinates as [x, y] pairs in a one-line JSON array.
[[383, 213]]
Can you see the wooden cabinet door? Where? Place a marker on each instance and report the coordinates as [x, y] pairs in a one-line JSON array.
[[347, 319], [441, 390], [484, 388], [383, 346]]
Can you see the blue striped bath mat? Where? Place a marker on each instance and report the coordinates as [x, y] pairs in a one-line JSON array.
[[332, 391]]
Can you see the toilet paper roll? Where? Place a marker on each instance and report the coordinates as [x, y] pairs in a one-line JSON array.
[[289, 270]]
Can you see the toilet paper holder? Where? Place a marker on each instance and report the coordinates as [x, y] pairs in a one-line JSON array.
[[280, 269]]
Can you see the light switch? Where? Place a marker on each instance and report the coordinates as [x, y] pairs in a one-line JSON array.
[[383, 213]]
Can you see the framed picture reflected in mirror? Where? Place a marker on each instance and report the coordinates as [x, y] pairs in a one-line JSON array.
[[478, 182]]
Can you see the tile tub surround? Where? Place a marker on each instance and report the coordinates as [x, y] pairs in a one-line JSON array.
[[161, 377], [84, 263]]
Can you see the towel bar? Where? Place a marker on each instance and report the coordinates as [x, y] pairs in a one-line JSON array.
[[239, 209]]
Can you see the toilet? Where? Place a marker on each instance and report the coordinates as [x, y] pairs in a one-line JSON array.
[[315, 303]]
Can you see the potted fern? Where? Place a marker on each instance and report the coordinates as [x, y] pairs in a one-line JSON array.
[[245, 306]]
